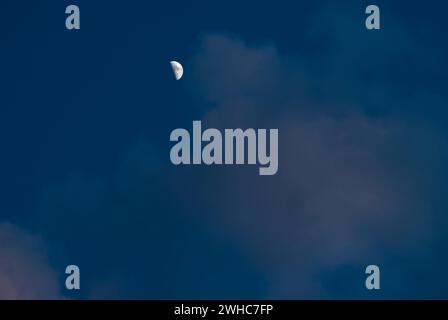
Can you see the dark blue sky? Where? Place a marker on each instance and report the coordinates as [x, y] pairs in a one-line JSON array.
[[85, 175]]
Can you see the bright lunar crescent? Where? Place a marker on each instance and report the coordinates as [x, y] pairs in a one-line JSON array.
[[177, 69]]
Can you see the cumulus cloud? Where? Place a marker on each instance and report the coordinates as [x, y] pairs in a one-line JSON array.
[[345, 192], [25, 272]]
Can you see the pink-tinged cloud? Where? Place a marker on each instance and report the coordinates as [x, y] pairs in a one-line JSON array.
[[25, 272], [344, 193]]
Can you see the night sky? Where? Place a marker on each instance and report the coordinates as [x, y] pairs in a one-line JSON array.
[[86, 177]]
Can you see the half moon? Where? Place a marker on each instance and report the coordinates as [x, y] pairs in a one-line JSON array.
[[177, 69]]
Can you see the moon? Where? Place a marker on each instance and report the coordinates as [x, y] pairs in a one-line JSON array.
[[177, 69]]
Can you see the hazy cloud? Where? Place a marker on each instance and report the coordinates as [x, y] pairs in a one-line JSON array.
[[25, 272], [347, 190]]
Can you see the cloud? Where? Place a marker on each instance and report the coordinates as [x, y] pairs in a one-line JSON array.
[[347, 190], [25, 272]]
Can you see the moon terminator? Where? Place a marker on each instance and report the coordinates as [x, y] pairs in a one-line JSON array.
[[178, 70]]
